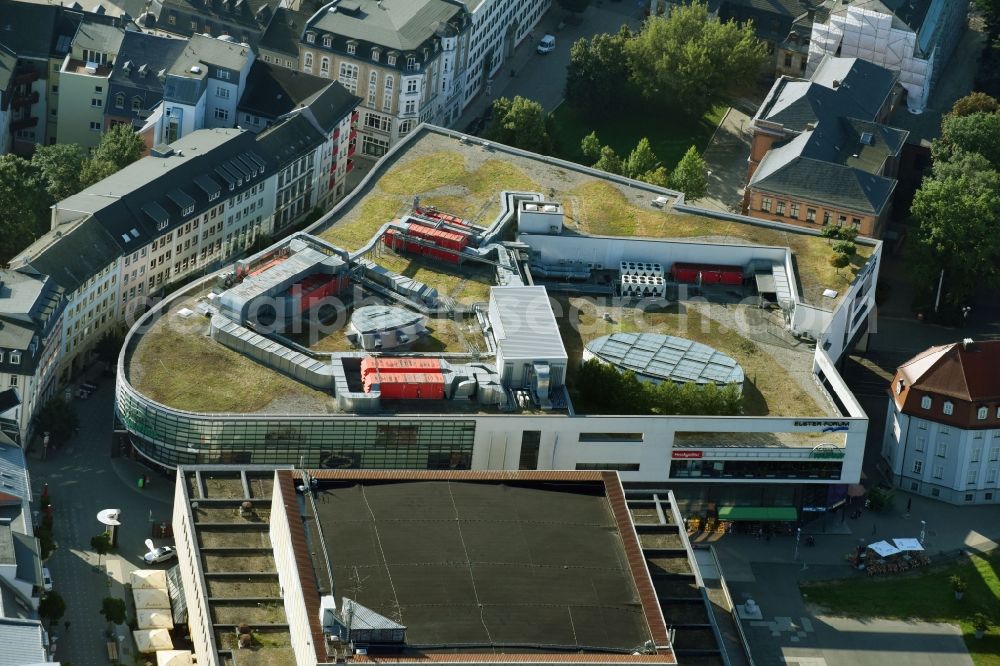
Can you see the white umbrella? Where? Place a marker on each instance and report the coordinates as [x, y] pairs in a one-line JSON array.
[[151, 640], [884, 548], [148, 579], [154, 619], [908, 544], [150, 599], [174, 658]]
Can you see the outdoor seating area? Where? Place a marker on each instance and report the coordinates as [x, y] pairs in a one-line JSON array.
[[889, 557]]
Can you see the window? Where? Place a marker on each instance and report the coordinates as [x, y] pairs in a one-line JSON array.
[[97, 102], [15, 358], [222, 92], [788, 60], [311, 37], [826, 218], [781, 208], [968, 497], [307, 61], [856, 222], [948, 408], [972, 477], [410, 108], [194, 26], [412, 86], [925, 402], [991, 475], [222, 114], [942, 449], [136, 103], [405, 126], [324, 66], [530, 444], [841, 220], [349, 76], [374, 147], [921, 443], [982, 413], [95, 127], [222, 75], [120, 101], [938, 471], [918, 466], [13, 380], [388, 81], [352, 48], [411, 63], [617, 467], [765, 204], [327, 41], [935, 492], [811, 214], [988, 496], [390, 59], [977, 453], [995, 453], [172, 19], [98, 89], [795, 211], [378, 122], [375, 54]]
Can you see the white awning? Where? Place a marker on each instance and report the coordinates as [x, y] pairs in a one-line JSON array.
[[148, 579], [884, 549], [151, 599], [151, 640], [174, 658], [154, 619], [908, 544]]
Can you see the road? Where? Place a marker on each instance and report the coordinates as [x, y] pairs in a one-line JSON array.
[[82, 479]]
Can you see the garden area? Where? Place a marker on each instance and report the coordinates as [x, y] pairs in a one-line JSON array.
[[965, 593]]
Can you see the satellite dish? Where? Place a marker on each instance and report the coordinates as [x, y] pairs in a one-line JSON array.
[[109, 517], [149, 544]]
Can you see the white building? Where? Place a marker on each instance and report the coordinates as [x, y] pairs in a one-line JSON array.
[[942, 433], [913, 38]]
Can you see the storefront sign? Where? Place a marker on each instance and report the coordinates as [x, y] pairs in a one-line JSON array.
[[824, 453], [824, 426], [685, 455]]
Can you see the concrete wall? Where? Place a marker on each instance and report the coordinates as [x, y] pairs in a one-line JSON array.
[[291, 579], [188, 559]]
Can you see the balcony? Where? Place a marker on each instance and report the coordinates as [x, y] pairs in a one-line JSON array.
[[21, 101], [355, 115], [335, 135], [353, 135], [23, 123]]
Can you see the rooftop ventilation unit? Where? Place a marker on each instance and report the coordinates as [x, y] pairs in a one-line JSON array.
[[867, 138], [195, 69]]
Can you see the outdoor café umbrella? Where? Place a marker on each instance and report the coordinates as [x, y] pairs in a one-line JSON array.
[[151, 640], [148, 579], [154, 619], [174, 658], [884, 549], [150, 599], [907, 544]]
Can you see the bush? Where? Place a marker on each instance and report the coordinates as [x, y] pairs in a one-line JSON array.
[[958, 583]]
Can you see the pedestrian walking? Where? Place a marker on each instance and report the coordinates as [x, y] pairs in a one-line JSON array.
[[909, 505]]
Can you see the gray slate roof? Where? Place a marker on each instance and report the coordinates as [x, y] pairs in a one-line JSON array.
[[145, 55], [98, 36], [27, 306], [403, 26], [283, 32], [273, 91]]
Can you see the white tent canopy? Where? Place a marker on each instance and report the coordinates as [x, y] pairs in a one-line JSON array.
[[908, 544], [148, 579], [884, 549], [151, 640], [151, 599], [154, 619], [174, 658]]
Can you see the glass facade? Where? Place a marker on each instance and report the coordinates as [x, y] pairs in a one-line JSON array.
[[172, 437], [757, 469]]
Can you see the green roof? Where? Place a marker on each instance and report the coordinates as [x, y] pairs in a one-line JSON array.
[[758, 513]]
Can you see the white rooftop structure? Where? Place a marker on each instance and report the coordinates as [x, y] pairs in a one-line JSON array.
[[658, 357], [526, 334]]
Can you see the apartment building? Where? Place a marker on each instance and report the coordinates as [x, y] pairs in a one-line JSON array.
[[913, 38], [84, 81], [185, 208], [942, 432], [137, 78], [243, 20], [405, 60], [821, 153], [498, 26], [30, 310], [271, 92]]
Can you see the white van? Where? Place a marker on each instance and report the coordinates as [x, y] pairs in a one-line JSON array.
[[547, 45]]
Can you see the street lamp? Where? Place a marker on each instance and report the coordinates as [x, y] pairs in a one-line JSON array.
[[798, 535], [923, 531]]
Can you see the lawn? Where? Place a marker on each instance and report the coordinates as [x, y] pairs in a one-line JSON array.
[[925, 595], [669, 136]]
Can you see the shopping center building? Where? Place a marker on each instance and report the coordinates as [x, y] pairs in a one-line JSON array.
[[517, 262]]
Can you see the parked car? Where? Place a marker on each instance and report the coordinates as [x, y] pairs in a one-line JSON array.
[[46, 580], [547, 45], [161, 554]]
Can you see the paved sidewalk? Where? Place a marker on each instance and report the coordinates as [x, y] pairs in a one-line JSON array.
[[726, 160], [82, 480]]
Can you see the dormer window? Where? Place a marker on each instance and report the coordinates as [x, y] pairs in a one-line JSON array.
[[311, 37], [982, 413], [352, 48], [949, 408], [925, 402], [375, 54], [15, 358], [390, 59], [120, 101], [187, 210], [327, 41], [411, 63], [900, 385]]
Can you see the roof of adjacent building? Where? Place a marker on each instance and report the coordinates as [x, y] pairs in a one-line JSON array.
[[403, 26], [27, 303], [95, 35], [203, 50], [527, 327], [772, 18], [71, 256], [272, 91], [480, 562], [283, 31], [905, 13], [141, 57], [376, 318], [964, 373], [22, 641], [29, 29]]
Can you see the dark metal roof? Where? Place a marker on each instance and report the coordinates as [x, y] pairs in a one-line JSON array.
[[273, 91]]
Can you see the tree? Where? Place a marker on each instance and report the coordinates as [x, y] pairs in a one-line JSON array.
[[976, 133], [692, 59], [24, 205], [839, 261], [119, 147], [597, 73], [520, 123], [110, 344], [590, 146], [658, 176], [958, 211], [609, 161], [846, 248], [830, 232], [690, 176], [52, 607], [113, 610], [60, 166], [101, 544], [641, 160], [58, 418], [974, 102]]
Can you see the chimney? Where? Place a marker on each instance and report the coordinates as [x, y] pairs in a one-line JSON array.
[[968, 344], [836, 83]]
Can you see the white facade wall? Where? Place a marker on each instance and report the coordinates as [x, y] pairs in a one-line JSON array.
[[290, 579], [188, 559], [91, 311]]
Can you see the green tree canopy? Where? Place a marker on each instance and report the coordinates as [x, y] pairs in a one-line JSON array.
[[60, 166], [113, 610], [692, 59], [609, 161], [691, 175], [590, 146], [119, 147], [58, 418], [52, 607], [975, 133], [641, 160], [597, 72], [974, 102], [958, 211], [520, 122], [101, 544], [24, 205]]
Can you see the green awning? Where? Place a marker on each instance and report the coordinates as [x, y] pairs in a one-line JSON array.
[[759, 513]]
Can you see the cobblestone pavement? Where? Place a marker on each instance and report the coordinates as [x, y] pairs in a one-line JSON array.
[[82, 479], [726, 160]]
